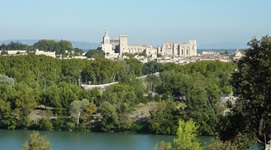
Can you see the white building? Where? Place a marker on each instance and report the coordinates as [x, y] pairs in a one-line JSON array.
[[209, 53], [237, 55], [115, 48], [16, 52], [39, 52]]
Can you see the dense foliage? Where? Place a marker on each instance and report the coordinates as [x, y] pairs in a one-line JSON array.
[[31, 84], [250, 117], [196, 89]]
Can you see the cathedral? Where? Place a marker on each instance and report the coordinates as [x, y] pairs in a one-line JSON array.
[[117, 47]]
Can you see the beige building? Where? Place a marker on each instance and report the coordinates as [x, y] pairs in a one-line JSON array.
[[115, 48], [179, 49]]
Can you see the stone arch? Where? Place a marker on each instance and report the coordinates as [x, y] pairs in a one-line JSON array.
[[187, 51]]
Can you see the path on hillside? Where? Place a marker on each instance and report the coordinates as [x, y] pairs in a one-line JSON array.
[[103, 86]]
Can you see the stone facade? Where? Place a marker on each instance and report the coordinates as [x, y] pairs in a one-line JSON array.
[[178, 49], [115, 48]]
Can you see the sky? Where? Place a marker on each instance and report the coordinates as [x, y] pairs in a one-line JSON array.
[[210, 22]]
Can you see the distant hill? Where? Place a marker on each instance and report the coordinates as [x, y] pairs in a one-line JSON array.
[[230, 51], [223, 45], [75, 44]]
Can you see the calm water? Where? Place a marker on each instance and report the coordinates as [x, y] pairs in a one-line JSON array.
[[14, 139]]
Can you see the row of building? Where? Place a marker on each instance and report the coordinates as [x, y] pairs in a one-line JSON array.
[[25, 52], [118, 47], [40, 52]]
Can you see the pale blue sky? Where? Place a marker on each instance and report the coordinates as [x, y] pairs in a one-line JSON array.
[[144, 21]]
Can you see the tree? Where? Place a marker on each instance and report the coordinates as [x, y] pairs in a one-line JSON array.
[[164, 118], [88, 111], [151, 67], [252, 84], [5, 113], [6, 80], [37, 142], [187, 136], [76, 108], [95, 54], [24, 105], [110, 116], [45, 124], [133, 66]]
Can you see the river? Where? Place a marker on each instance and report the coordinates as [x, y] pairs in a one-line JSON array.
[[63, 140]]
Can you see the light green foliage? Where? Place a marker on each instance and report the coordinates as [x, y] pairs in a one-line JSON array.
[[163, 146], [37, 142], [76, 108], [187, 136], [6, 80]]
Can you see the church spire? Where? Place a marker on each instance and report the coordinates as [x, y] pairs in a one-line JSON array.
[[106, 33], [106, 39]]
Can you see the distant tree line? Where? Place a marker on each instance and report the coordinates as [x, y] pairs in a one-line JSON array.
[[60, 47]]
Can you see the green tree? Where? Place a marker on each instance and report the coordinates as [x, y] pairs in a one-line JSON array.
[[95, 54], [187, 136], [45, 124], [251, 84], [5, 114], [37, 142], [164, 118], [76, 108], [110, 117], [133, 66], [151, 67], [87, 112], [24, 104]]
